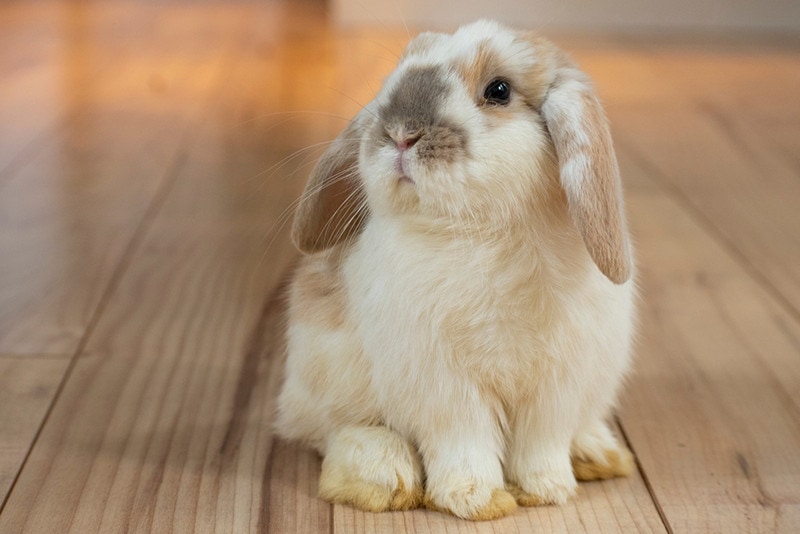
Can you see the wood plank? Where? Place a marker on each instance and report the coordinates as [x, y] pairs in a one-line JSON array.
[[29, 67], [293, 505], [727, 181], [68, 214], [164, 423], [748, 73], [51, 67], [27, 387], [170, 427], [713, 410], [125, 447], [621, 505], [616, 506], [743, 76]]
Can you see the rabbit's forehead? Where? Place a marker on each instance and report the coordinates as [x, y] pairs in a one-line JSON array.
[[463, 45], [475, 52]]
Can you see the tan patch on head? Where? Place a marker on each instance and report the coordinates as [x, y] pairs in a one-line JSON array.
[[481, 70], [531, 83], [538, 76]]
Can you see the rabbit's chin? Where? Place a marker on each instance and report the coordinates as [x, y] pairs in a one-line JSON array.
[[461, 194]]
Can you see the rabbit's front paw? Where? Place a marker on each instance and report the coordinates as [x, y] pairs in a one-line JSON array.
[[596, 454], [471, 501], [550, 487], [609, 463], [371, 468]]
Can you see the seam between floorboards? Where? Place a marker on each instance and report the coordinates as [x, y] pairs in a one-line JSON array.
[[34, 356], [650, 490], [167, 183], [170, 177]]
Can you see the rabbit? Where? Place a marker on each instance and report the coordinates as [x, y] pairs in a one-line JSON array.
[[462, 315]]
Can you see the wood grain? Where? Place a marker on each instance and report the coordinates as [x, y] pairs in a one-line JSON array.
[[70, 209], [713, 411], [612, 506], [730, 181], [292, 504], [149, 157], [27, 387], [165, 419]]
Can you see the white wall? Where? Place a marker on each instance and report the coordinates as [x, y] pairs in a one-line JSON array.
[[629, 15]]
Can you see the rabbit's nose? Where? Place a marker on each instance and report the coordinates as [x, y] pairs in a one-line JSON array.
[[407, 141]]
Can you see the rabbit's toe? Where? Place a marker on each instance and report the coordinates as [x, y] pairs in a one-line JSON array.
[[371, 468], [553, 487], [596, 454], [609, 463], [368, 495], [467, 503]]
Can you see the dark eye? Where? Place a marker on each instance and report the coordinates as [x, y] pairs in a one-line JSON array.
[[498, 93]]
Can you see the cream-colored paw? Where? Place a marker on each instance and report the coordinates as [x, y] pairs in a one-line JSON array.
[[596, 454], [371, 468], [462, 504], [544, 489], [609, 463], [368, 495]]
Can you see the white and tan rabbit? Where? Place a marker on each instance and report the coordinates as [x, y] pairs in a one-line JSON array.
[[462, 320]]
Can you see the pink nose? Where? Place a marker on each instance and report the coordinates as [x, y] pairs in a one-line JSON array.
[[408, 141]]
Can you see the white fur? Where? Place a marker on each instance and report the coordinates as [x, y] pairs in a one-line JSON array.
[[476, 325]]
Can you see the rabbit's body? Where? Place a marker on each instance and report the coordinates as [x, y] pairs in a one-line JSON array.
[[462, 338]]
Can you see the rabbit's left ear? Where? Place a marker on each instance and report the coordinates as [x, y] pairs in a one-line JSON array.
[[588, 168], [333, 206]]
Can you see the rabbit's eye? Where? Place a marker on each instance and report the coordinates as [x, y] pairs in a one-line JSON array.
[[497, 93]]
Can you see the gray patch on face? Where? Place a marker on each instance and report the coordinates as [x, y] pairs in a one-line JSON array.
[[413, 105], [443, 143], [415, 101]]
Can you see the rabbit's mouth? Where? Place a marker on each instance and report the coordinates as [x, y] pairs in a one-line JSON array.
[[401, 165]]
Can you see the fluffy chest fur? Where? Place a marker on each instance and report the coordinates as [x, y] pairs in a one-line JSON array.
[[496, 313]]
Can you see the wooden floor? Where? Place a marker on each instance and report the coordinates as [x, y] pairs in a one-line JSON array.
[[149, 155]]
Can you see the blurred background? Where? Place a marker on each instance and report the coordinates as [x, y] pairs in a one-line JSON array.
[[150, 157], [637, 16]]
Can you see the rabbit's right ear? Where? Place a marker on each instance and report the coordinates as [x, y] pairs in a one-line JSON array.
[[333, 207], [588, 168]]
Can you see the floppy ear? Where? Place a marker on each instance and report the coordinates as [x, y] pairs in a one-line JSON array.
[[333, 206], [588, 168]]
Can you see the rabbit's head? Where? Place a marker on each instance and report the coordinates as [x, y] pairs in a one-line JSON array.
[[486, 126]]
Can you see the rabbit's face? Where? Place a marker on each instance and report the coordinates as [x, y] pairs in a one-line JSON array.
[[482, 129], [456, 133]]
